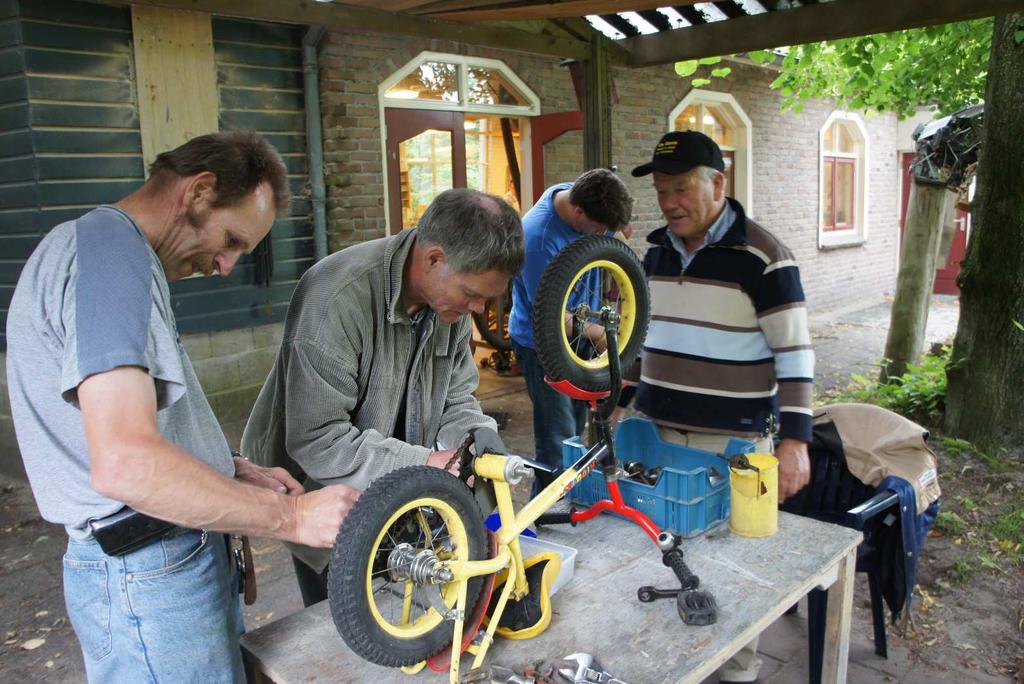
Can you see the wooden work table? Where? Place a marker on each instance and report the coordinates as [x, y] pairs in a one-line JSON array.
[[753, 580]]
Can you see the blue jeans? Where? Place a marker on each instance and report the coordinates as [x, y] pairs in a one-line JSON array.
[[556, 417], [168, 612]]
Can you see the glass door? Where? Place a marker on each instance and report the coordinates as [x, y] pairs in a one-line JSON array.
[[426, 155]]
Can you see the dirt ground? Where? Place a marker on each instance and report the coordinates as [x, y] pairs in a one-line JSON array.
[[968, 621]]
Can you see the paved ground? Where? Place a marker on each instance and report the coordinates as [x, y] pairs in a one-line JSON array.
[[32, 612]]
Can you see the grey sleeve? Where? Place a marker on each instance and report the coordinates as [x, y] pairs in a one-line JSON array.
[[322, 391], [462, 411], [111, 315]]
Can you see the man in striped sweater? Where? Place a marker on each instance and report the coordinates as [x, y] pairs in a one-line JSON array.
[[728, 353]]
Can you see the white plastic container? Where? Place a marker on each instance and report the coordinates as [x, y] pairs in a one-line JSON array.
[[531, 546]]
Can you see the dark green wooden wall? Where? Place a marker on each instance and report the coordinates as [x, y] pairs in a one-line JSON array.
[[69, 141]]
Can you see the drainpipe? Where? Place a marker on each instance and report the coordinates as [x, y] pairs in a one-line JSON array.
[[315, 138]]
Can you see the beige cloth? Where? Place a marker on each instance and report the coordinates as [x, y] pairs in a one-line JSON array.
[[879, 443]]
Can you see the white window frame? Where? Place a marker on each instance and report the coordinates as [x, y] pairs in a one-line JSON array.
[[742, 130], [463, 63], [858, 234]]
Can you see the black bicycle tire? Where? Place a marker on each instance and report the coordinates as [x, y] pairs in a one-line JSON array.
[[350, 556], [498, 339], [548, 311]]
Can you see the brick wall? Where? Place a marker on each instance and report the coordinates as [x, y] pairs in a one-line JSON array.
[[784, 158], [785, 174]]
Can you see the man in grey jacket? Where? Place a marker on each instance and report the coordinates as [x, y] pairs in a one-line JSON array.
[[375, 370]]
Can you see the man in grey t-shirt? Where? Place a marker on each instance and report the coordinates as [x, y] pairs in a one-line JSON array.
[[110, 418]]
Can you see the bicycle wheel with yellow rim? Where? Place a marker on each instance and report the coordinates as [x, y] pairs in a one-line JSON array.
[[588, 276], [384, 602]]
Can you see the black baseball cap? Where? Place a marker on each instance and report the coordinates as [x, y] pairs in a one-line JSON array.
[[681, 151]]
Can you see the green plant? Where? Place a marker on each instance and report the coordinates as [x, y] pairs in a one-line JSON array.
[[1009, 527], [961, 447], [963, 570], [689, 67], [919, 394], [950, 523]]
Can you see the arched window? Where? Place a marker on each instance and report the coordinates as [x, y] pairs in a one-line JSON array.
[[843, 152], [721, 118], [452, 121]]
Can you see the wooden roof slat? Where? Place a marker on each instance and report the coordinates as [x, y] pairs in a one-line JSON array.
[[621, 24], [656, 19], [341, 17], [730, 9], [691, 14], [812, 23], [389, 5], [541, 9]]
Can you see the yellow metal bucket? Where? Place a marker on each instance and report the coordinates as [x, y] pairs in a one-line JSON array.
[[754, 491]]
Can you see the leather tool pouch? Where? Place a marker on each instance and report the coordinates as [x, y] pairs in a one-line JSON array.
[[127, 531]]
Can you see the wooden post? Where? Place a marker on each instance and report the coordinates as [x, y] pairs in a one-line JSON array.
[[597, 108], [916, 278]]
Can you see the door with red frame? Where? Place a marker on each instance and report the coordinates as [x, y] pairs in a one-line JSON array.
[[415, 178], [945, 275], [544, 129]]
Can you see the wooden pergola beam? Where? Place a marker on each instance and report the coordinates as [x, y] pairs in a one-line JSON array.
[[825, 21], [459, 10], [349, 18]]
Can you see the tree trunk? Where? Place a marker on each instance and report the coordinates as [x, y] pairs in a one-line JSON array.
[[909, 316], [983, 401]]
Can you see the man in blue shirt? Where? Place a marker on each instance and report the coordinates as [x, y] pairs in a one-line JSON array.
[[597, 202]]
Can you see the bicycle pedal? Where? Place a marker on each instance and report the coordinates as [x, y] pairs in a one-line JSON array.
[[697, 608]]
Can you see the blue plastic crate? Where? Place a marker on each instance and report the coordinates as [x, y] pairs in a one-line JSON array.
[[691, 493]]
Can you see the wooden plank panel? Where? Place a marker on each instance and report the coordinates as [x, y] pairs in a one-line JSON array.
[[81, 116], [242, 275], [81, 90], [55, 193], [77, 142], [255, 33], [244, 98], [826, 21], [50, 217], [286, 144], [38, 61], [78, 13], [15, 247], [255, 314], [10, 32], [19, 221], [229, 296], [292, 227], [13, 90], [10, 268], [17, 170], [256, 77], [14, 117], [263, 121], [16, 142], [75, 38], [53, 168], [173, 57], [12, 61], [19, 195], [8, 8], [258, 55]]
